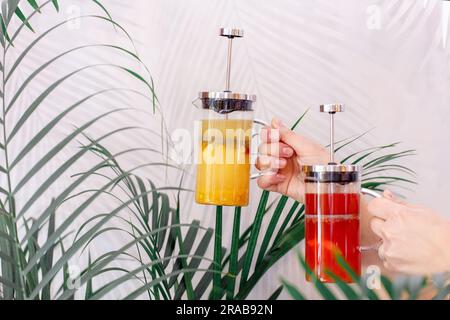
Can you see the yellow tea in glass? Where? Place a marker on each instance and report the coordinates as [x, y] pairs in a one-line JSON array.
[[223, 158], [223, 172]]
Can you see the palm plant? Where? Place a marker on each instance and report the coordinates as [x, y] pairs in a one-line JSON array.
[[35, 249], [155, 232], [403, 287]]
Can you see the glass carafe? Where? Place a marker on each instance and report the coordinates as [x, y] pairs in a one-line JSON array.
[[224, 157], [332, 220]]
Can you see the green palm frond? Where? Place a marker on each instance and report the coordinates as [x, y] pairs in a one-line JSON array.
[[35, 258], [155, 231], [402, 287]]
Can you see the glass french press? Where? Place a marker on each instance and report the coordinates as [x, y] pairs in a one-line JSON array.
[[225, 134], [332, 214]]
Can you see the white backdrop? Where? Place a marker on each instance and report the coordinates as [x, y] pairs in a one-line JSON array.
[[388, 61]]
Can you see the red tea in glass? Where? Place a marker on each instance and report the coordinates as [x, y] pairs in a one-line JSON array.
[[332, 201], [332, 228]]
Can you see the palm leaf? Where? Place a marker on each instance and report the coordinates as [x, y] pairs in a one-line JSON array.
[[293, 291], [101, 262], [276, 294], [217, 280], [31, 277], [234, 254]]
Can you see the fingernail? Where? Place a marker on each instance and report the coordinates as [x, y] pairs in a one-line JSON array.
[[276, 123], [388, 194], [288, 152], [280, 176]]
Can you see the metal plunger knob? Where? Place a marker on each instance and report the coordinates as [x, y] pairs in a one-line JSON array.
[[230, 33], [332, 109]]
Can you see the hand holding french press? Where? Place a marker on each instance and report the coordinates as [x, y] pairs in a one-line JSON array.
[[414, 238], [330, 192], [285, 152]]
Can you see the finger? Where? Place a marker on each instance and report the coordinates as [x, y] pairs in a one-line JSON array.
[[270, 135], [387, 265], [388, 194], [377, 226], [271, 188], [381, 254], [276, 150], [268, 162], [383, 208], [270, 182]]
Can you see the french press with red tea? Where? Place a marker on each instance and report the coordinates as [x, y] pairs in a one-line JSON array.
[[332, 214], [225, 133]]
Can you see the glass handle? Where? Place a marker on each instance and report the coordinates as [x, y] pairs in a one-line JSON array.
[[372, 193], [261, 122], [196, 103], [376, 245], [258, 174]]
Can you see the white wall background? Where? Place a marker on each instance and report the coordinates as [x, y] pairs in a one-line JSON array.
[[388, 61]]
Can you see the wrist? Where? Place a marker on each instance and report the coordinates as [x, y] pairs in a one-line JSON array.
[[298, 196], [443, 255], [446, 250]]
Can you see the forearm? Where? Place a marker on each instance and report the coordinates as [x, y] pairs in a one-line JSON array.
[[443, 240]]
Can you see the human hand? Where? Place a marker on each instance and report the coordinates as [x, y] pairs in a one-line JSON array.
[[286, 152], [415, 240]]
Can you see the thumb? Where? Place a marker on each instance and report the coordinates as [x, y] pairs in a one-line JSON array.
[[301, 145]]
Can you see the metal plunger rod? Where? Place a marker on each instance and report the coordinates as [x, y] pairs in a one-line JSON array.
[[331, 137], [331, 109], [230, 52], [230, 33]]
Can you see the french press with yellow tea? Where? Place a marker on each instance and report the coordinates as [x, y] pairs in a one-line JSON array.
[[225, 133]]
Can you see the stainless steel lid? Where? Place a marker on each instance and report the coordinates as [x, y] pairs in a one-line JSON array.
[[331, 168], [222, 95], [225, 102], [330, 173]]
